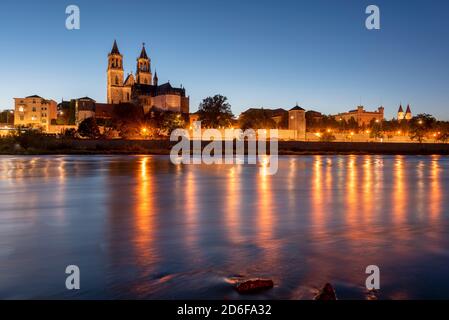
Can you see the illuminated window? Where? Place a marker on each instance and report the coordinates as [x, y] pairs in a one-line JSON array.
[[21, 109]]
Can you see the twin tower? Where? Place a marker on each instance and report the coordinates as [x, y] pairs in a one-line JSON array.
[[142, 89], [119, 90]]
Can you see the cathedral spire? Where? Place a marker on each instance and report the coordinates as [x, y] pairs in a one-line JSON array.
[[155, 79], [115, 48], [408, 109], [143, 53]]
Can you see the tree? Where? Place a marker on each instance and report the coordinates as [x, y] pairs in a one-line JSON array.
[[171, 121], [70, 133], [327, 137], [376, 130], [257, 119], [215, 112], [88, 128], [443, 137], [128, 119], [420, 125]]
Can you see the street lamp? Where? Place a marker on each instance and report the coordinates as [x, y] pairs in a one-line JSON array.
[[144, 132]]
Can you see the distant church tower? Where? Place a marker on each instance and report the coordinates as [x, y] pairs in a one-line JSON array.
[[400, 113], [115, 75], [408, 113], [143, 73], [155, 79]]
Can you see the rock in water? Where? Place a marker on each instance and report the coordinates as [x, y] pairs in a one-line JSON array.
[[327, 293], [254, 285]]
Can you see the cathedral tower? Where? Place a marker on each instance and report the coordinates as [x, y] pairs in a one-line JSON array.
[[115, 75], [155, 79], [400, 113], [143, 72], [408, 113]]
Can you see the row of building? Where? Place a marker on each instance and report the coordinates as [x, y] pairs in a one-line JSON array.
[[142, 88]]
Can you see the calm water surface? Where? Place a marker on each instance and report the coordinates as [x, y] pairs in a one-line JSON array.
[[140, 227]]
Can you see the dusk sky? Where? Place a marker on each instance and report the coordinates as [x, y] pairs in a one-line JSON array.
[[257, 53]]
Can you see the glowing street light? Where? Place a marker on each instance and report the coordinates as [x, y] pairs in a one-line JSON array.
[[144, 132]]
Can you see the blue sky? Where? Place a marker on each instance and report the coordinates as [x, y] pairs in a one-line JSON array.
[[257, 53]]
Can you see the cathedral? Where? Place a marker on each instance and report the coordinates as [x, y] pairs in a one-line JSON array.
[[143, 88], [404, 116]]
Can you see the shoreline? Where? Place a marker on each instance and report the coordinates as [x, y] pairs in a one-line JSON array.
[[53, 146]]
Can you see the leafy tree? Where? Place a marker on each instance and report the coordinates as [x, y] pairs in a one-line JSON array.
[[127, 119], [443, 137], [70, 133], [327, 137], [171, 121], [420, 126], [88, 128], [417, 133], [257, 119], [215, 112], [376, 130]]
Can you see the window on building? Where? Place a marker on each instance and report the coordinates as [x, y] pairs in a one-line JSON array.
[[34, 109]]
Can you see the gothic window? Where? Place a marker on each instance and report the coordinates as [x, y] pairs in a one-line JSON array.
[[127, 96], [116, 80]]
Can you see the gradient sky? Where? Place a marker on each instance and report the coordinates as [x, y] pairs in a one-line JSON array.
[[258, 53]]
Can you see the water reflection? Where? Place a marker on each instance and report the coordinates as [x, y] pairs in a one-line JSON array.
[[141, 227]]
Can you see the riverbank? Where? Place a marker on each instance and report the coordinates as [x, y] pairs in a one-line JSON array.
[[51, 145]]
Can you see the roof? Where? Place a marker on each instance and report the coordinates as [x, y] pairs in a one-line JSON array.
[[274, 112], [143, 53], [34, 96], [152, 90], [317, 113], [408, 109], [86, 98], [129, 78], [297, 108], [400, 108], [115, 48]]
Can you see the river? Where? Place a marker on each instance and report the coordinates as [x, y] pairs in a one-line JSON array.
[[141, 227]]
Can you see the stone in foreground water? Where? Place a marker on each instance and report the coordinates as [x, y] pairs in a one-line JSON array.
[[254, 285], [327, 293]]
